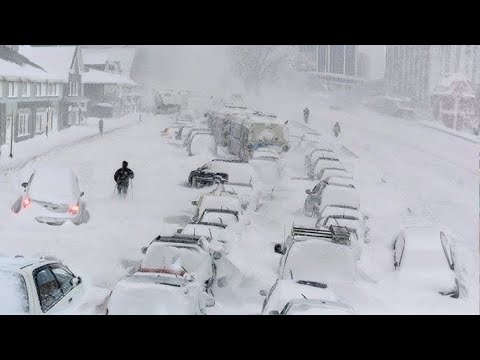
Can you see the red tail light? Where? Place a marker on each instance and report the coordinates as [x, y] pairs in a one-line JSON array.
[[74, 209], [26, 202]]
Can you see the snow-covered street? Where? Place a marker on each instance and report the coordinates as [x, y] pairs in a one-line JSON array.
[[404, 177]]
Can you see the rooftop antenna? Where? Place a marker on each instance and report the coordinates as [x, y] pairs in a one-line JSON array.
[[304, 297]]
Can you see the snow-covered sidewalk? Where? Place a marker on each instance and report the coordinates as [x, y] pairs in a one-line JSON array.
[[40, 144], [463, 135]]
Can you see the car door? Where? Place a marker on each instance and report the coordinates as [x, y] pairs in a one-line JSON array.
[[48, 289], [72, 290]]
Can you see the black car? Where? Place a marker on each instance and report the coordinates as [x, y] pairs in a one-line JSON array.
[[210, 173]]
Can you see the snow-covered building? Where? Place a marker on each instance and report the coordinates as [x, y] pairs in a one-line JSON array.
[[426, 74], [64, 63], [107, 81], [334, 66], [30, 97]]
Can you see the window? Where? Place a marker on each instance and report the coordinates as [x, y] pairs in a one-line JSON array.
[[12, 89], [40, 121], [38, 91], [48, 288], [57, 89], [64, 278], [25, 89], [43, 89], [22, 126]]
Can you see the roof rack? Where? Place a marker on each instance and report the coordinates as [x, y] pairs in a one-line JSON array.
[[336, 234]]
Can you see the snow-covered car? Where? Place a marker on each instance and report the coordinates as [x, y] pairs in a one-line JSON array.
[[302, 297], [183, 132], [217, 234], [315, 154], [314, 196], [319, 259], [324, 163], [351, 222], [37, 286], [171, 132], [268, 165], [327, 173], [186, 116], [159, 292], [191, 254], [202, 143], [229, 218], [423, 259], [52, 196], [250, 196], [236, 171], [341, 196], [222, 200]]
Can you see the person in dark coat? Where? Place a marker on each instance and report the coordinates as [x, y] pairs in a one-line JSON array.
[[100, 126], [306, 115], [122, 178], [336, 129]]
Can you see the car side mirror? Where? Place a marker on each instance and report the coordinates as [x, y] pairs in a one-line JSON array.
[[217, 255], [308, 191], [194, 203], [82, 194], [25, 184], [76, 280], [274, 312], [263, 292], [144, 250], [279, 249], [179, 231]]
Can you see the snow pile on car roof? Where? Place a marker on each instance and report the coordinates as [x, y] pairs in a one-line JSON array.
[[57, 185]]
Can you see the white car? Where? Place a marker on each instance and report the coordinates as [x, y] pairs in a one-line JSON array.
[[318, 260], [159, 292], [268, 165], [250, 196], [217, 200], [302, 297], [423, 258], [314, 196], [338, 196], [189, 253], [52, 196], [37, 286], [325, 162]]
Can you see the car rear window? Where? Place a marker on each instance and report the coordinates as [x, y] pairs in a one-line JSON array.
[[13, 294]]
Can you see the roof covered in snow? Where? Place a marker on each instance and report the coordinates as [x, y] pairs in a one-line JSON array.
[[93, 76], [56, 60], [124, 56], [16, 66]]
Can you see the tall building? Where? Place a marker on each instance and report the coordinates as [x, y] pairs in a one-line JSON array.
[[445, 78], [334, 65]]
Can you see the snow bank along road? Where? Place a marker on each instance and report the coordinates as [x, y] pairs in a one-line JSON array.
[[160, 202]]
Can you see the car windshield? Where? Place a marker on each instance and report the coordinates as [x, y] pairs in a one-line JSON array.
[[219, 218], [175, 257], [13, 294], [220, 202], [318, 260]]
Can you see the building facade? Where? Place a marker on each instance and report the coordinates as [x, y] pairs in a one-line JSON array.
[[444, 78], [333, 65], [29, 98]]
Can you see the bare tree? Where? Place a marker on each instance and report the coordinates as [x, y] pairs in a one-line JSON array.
[[260, 64]]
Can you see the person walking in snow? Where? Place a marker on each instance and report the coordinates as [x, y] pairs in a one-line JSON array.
[[100, 126], [122, 178], [306, 115], [336, 129]]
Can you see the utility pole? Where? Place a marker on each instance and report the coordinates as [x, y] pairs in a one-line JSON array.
[[11, 134]]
